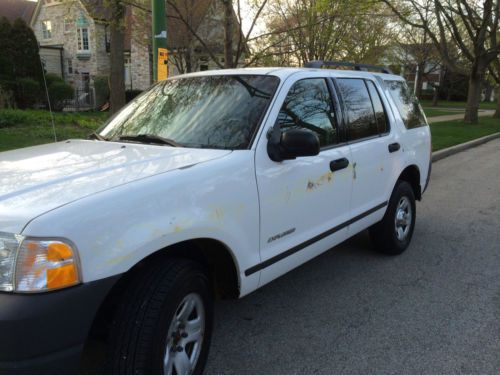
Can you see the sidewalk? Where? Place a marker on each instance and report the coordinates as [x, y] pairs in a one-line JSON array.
[[482, 113]]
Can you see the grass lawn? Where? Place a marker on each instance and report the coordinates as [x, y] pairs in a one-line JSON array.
[[22, 128], [450, 133], [432, 112], [447, 104]]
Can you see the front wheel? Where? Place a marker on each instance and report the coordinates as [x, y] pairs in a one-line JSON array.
[[392, 235], [164, 323]]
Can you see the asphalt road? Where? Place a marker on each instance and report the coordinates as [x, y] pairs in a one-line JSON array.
[[433, 310]]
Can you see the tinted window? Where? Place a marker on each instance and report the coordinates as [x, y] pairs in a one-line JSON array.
[[378, 107], [407, 104], [360, 116], [205, 112], [308, 105]]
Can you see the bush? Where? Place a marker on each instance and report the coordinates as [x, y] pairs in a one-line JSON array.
[[27, 92], [101, 90], [58, 93], [6, 98], [131, 94]]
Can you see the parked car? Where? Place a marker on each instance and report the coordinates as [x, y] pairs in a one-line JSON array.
[[209, 185]]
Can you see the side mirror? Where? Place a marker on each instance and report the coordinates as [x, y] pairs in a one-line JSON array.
[[293, 143]]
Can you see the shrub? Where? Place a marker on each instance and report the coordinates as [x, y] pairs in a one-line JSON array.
[[58, 93], [6, 98], [101, 90], [27, 92]]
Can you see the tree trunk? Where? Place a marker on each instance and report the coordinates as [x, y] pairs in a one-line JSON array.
[[473, 96], [117, 61], [228, 33], [497, 111], [435, 97], [419, 77]]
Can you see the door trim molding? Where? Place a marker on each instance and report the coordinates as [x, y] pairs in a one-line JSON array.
[[303, 245]]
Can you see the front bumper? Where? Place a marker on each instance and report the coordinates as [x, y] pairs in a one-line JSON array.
[[45, 333]]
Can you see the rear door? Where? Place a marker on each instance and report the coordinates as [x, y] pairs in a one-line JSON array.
[[373, 150]]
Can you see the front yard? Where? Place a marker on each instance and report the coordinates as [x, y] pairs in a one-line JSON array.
[[27, 128], [32, 127]]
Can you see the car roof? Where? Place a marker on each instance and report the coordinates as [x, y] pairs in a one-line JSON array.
[[284, 73]]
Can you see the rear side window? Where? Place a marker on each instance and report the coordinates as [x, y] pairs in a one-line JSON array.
[[378, 107], [308, 105], [360, 115], [407, 104]]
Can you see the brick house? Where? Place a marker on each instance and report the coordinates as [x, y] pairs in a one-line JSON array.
[[74, 40]]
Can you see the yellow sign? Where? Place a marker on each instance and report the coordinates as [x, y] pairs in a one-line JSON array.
[[162, 64]]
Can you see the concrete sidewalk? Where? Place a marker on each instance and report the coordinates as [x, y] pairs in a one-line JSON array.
[[460, 116]]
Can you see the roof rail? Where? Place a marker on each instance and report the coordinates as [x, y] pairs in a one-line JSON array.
[[318, 64]]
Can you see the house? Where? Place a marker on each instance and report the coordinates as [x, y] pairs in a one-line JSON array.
[[74, 40]]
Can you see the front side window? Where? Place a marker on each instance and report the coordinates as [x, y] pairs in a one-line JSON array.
[[360, 116], [407, 104], [47, 29], [83, 39], [202, 112], [308, 105]]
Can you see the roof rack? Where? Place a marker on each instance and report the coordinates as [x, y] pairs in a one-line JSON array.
[[318, 64]]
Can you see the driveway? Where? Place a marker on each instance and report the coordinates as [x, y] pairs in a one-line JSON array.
[[434, 309]]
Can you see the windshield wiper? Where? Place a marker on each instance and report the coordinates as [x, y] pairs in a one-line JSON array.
[[97, 136], [149, 138]]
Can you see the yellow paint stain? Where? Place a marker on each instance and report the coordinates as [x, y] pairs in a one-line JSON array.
[[217, 214], [177, 228], [118, 260], [323, 179]]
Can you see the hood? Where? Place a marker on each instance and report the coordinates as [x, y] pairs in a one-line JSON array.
[[38, 179]]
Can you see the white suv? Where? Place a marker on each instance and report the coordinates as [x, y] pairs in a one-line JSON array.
[[208, 185]]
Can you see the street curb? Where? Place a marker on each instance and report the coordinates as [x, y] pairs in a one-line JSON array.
[[441, 154]]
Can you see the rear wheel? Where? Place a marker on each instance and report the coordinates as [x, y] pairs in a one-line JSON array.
[[164, 323], [392, 235]]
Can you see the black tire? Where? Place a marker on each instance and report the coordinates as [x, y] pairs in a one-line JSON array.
[[383, 234], [140, 330]]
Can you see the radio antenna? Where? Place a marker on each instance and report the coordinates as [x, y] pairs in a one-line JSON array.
[[48, 99]]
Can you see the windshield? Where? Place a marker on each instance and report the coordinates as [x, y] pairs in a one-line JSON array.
[[206, 112]]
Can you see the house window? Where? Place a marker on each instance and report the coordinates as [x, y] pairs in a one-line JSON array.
[[67, 25], [83, 39], [69, 64], [46, 29]]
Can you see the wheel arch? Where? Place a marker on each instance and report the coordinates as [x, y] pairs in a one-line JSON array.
[[411, 174], [213, 254]]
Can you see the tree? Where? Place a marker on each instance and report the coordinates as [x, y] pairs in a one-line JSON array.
[[329, 29], [20, 67], [117, 60], [469, 25], [236, 43], [495, 73]]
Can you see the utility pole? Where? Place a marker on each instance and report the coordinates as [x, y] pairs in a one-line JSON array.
[[160, 54]]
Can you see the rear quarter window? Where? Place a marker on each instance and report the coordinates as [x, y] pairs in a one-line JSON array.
[[407, 104]]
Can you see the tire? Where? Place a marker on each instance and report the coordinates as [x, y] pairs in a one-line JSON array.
[[161, 313], [392, 235]]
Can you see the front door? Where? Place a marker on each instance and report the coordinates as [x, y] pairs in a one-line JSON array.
[[304, 203]]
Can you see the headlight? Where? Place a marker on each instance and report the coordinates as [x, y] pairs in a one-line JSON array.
[[36, 265], [9, 243]]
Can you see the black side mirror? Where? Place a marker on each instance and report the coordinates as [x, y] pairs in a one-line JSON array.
[[291, 144]]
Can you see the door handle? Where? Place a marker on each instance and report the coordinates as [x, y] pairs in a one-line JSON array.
[[338, 164], [393, 147]]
